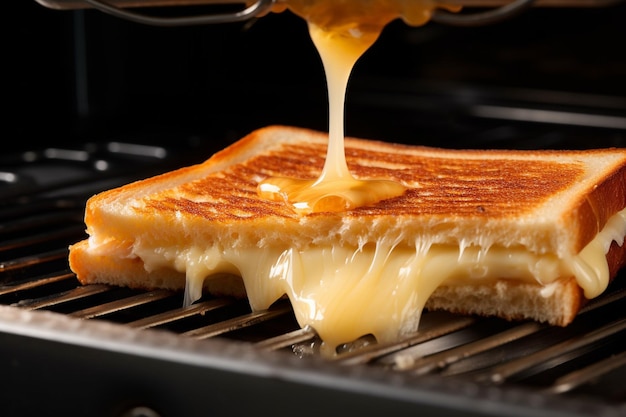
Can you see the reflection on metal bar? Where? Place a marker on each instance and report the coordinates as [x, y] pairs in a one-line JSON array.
[[501, 373], [158, 152], [575, 379], [122, 304], [81, 4], [66, 154], [374, 351], [27, 261], [443, 359], [181, 313], [487, 17], [9, 289], [548, 116], [287, 339], [74, 294], [258, 8], [237, 323]]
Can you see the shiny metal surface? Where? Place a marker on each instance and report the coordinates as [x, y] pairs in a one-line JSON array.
[[78, 4], [497, 10]]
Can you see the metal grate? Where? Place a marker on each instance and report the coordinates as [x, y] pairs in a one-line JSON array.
[[579, 368], [582, 359]]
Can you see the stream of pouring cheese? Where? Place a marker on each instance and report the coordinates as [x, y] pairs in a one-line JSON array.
[[336, 189], [342, 31]]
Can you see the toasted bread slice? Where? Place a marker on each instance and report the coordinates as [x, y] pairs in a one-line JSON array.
[[490, 232]]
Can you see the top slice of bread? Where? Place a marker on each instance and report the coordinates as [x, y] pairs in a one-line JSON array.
[[545, 201]]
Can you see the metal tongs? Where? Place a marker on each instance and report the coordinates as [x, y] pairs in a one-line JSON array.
[[501, 10], [122, 9]]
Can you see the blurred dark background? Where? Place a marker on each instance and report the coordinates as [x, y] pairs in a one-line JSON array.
[[84, 75]]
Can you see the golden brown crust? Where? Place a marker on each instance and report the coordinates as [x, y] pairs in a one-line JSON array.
[[484, 196], [594, 208]]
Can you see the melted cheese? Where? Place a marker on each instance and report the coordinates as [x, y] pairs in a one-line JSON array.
[[342, 32], [590, 265], [380, 289]]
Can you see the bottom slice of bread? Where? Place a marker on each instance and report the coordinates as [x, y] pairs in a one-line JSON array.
[[512, 300]]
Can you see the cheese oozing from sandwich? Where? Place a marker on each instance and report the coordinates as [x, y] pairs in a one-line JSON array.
[[380, 289]]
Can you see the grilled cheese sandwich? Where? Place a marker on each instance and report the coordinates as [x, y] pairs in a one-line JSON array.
[[515, 234]]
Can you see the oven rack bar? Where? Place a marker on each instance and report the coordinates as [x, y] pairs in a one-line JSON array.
[[398, 357]]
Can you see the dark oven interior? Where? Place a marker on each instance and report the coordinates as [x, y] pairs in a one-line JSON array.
[[95, 101]]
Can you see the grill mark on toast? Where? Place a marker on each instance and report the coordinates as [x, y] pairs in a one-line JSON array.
[[460, 187]]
